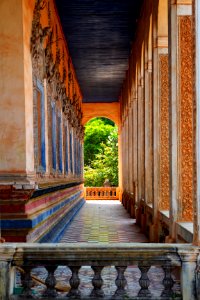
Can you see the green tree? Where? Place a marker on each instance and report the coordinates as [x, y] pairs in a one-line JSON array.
[[103, 156], [96, 132]]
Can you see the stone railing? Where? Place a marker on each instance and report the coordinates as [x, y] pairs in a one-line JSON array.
[[102, 193], [174, 264]]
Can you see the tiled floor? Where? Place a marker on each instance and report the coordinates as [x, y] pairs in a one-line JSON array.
[[96, 222], [103, 221]]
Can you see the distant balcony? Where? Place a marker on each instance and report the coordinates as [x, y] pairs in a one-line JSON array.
[[102, 193]]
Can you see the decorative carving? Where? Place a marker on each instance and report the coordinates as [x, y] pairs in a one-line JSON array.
[[49, 63], [47, 66], [37, 40], [186, 111], [164, 133]]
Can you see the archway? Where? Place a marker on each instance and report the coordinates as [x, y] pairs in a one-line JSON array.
[[101, 152], [108, 110]]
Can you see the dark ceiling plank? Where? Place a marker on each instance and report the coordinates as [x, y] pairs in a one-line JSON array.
[[99, 35]]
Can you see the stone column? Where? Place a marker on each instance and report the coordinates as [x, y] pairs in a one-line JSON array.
[[147, 91], [123, 154], [135, 134], [6, 255], [181, 106], [141, 140], [160, 117], [130, 145], [188, 273], [148, 132], [196, 128], [120, 163], [16, 115]]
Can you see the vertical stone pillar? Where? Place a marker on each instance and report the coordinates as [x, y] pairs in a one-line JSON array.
[[4, 280], [16, 115], [120, 163], [160, 115], [141, 140], [130, 145], [125, 152], [164, 129], [122, 154], [6, 255], [148, 132], [181, 107], [135, 120], [188, 273], [196, 238]]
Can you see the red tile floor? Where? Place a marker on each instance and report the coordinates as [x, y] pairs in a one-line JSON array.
[[103, 221]]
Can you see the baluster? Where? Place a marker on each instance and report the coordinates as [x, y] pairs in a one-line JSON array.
[[27, 282], [97, 283], [120, 282], [168, 282], [144, 282], [74, 283], [50, 282]]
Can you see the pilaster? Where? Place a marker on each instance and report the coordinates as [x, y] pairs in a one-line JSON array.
[[196, 126], [181, 106]]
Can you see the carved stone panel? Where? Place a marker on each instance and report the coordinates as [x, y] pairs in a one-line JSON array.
[[186, 117], [164, 132]]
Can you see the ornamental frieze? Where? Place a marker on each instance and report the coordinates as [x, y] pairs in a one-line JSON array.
[[44, 66]]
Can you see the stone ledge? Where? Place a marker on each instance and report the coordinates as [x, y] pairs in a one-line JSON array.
[[185, 231]]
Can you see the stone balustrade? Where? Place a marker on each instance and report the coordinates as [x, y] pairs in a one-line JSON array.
[[169, 257], [102, 193]]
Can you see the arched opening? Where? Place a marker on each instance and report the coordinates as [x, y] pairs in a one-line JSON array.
[[101, 153]]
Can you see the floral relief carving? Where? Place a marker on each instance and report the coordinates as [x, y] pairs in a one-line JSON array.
[[59, 88], [164, 133], [186, 114]]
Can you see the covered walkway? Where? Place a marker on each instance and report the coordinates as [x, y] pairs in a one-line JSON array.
[[103, 221]]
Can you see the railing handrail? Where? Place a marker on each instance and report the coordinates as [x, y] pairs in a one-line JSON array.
[[98, 193], [120, 255], [17, 252]]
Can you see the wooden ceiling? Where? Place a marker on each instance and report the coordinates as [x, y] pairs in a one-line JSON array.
[[99, 35]]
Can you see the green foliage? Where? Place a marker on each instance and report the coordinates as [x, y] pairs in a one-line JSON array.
[[96, 132], [101, 153]]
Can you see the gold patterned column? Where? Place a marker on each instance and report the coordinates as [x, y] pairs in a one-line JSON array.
[[186, 108], [181, 113], [196, 123], [164, 132]]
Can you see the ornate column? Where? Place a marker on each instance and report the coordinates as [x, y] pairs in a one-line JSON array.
[[126, 151], [135, 135], [120, 157], [130, 147], [148, 132], [148, 115], [160, 108], [141, 140], [181, 107], [123, 152], [196, 238]]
